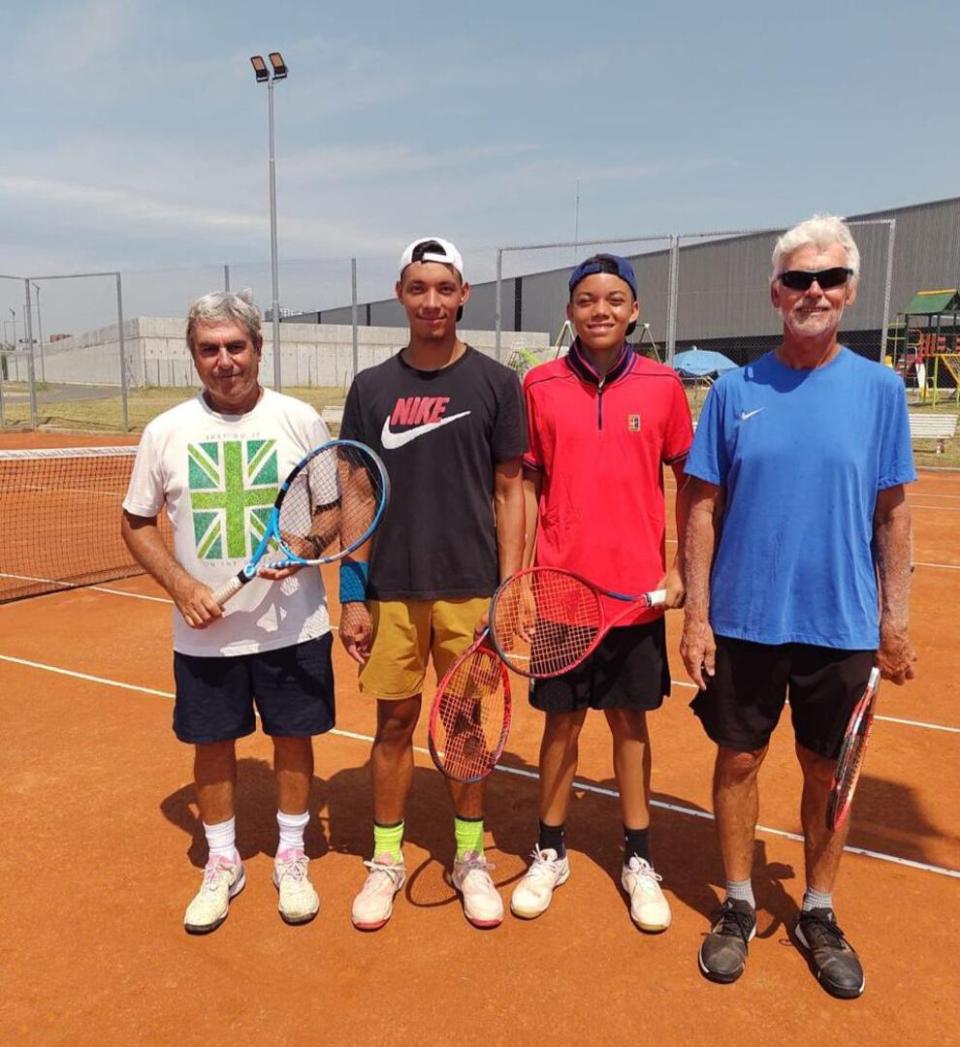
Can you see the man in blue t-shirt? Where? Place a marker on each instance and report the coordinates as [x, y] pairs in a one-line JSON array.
[[802, 456]]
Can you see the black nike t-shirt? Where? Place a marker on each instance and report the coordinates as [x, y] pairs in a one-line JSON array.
[[440, 434]]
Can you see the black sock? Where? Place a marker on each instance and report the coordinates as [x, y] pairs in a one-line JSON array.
[[552, 836], [636, 842]]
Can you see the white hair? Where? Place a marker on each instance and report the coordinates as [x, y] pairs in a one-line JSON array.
[[218, 306], [820, 231]]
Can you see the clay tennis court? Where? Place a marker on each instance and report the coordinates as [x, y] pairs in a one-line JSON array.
[[103, 849]]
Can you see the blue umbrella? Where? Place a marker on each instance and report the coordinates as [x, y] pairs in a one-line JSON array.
[[699, 363]]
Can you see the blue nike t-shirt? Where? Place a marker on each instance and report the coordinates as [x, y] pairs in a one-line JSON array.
[[801, 455]]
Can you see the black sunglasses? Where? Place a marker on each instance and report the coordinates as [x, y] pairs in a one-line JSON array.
[[801, 280]]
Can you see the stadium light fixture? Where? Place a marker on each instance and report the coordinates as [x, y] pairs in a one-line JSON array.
[[279, 66], [260, 68], [277, 71]]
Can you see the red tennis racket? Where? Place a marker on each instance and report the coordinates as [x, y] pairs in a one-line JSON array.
[[544, 621], [470, 714], [852, 751]]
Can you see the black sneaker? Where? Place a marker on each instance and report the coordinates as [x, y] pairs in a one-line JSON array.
[[831, 956], [723, 954]]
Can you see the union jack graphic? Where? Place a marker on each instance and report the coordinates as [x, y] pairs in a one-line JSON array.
[[233, 486]]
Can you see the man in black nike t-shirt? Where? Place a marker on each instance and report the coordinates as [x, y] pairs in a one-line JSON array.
[[449, 424]]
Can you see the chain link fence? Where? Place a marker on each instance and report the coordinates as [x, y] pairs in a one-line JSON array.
[[107, 350]]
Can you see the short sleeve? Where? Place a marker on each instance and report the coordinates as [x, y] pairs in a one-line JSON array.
[[146, 494], [708, 459], [351, 425], [679, 429], [896, 453], [533, 458], [509, 429]]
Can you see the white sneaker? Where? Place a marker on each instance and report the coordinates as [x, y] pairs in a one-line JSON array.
[[482, 905], [532, 895], [649, 910], [222, 881], [298, 901], [374, 904]]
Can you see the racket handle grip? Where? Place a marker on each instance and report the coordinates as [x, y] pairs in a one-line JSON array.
[[657, 598], [228, 589]]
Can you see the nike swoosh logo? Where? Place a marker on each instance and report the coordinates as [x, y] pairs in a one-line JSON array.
[[391, 440], [744, 415]]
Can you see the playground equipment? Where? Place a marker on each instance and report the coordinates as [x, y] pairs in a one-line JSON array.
[[928, 352]]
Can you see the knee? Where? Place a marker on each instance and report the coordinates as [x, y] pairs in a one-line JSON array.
[[628, 723], [395, 729], [563, 728], [817, 769], [738, 768]]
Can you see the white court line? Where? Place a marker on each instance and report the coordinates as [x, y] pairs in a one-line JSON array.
[[676, 683], [939, 508], [66, 586], [940, 566], [584, 786]]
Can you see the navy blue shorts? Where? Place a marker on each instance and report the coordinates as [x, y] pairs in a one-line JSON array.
[[629, 670], [292, 688], [745, 697]]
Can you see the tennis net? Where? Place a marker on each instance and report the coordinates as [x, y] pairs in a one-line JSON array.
[[60, 519]]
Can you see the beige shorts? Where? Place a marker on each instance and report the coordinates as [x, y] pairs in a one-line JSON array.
[[406, 633]]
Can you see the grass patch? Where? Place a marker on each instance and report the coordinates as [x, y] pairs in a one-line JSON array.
[[143, 405]]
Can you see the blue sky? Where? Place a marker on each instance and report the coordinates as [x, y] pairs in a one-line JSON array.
[[134, 135]]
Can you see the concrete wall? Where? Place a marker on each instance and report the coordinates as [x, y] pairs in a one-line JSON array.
[[313, 355]]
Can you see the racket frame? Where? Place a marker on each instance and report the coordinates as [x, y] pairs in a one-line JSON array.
[[272, 533], [637, 602], [481, 643], [858, 727]]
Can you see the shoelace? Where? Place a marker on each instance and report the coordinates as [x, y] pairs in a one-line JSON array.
[[644, 870], [823, 932], [293, 868], [734, 922], [477, 863], [392, 872], [543, 866], [213, 872]]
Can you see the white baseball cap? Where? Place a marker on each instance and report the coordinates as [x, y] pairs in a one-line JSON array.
[[432, 249]]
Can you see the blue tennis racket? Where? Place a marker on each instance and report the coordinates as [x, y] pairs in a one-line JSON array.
[[330, 504]]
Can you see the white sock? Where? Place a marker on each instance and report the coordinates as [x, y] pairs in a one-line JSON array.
[[222, 839], [741, 891], [813, 899], [291, 830]]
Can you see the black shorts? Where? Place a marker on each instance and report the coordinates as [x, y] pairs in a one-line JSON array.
[[744, 699], [291, 686], [629, 670]]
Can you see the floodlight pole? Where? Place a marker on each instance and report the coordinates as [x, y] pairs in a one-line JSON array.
[[275, 308], [28, 336]]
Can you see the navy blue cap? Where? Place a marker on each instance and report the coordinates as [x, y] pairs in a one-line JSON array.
[[605, 263]]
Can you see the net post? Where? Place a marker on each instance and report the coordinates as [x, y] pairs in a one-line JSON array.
[[28, 337], [123, 357]]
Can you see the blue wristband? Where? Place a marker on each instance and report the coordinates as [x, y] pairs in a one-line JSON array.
[[353, 581]]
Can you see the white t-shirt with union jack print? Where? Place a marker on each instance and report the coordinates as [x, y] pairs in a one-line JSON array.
[[218, 475]]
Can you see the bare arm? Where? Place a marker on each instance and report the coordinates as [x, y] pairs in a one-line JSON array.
[[891, 534], [673, 580], [704, 507], [508, 507], [532, 481], [194, 600]]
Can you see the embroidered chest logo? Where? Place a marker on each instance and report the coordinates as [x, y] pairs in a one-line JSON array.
[[233, 486], [424, 413], [633, 423]]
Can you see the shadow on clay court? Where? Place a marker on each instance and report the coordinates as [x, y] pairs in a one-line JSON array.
[[887, 817]]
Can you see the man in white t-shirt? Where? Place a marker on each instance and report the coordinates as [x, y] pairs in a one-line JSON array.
[[215, 463]]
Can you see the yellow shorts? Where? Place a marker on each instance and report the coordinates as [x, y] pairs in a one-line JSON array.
[[406, 633]]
